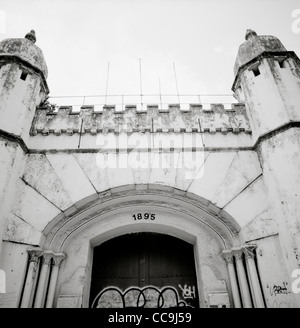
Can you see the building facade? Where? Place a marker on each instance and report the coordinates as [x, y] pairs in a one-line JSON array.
[[150, 206]]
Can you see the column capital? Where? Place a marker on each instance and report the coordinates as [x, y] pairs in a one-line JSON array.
[[227, 256], [34, 254], [58, 258], [248, 250], [238, 253], [47, 256]]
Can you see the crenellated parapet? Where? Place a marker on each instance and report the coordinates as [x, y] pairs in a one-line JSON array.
[[213, 118]]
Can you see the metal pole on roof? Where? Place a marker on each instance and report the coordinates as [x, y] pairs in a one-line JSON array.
[[176, 82], [106, 83], [80, 132], [140, 67], [201, 132], [160, 93]]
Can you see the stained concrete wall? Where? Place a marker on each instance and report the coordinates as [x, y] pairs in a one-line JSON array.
[[60, 179], [272, 98], [74, 281], [13, 259], [52, 183], [207, 157], [212, 118], [59, 184], [18, 99], [11, 160], [274, 274], [280, 157], [270, 87]]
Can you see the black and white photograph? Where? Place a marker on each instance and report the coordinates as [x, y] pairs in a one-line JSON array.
[[149, 157]]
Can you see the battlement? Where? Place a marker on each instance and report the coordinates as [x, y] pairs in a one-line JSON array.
[[189, 118]]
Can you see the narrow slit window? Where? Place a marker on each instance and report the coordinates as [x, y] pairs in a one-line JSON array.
[[256, 71], [23, 75], [282, 63]]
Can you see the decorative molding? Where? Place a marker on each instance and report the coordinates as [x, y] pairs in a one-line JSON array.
[[14, 138], [275, 132], [228, 257], [47, 256], [34, 254], [58, 258], [248, 250], [238, 254], [217, 119]]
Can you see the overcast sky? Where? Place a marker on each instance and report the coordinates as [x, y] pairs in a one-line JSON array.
[[200, 38]]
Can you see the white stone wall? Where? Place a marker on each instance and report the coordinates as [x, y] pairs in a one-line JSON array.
[[218, 188], [56, 187], [53, 183], [18, 99], [75, 278], [11, 160]]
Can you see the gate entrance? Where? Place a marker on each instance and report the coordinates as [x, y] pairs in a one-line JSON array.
[[144, 270]]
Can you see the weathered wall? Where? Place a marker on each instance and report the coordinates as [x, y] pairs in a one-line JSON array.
[[11, 159], [19, 94], [268, 82], [74, 282], [280, 161], [13, 259], [213, 118], [61, 180], [61, 184], [53, 183], [272, 98], [275, 276], [215, 175]]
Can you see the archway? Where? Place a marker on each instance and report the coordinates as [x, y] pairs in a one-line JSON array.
[[163, 211], [70, 240], [138, 199]]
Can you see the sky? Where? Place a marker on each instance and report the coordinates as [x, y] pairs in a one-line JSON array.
[[129, 47]]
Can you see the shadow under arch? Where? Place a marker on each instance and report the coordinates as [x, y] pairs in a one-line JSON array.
[[96, 208]]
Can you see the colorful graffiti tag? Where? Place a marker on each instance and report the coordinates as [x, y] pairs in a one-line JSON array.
[[146, 297]]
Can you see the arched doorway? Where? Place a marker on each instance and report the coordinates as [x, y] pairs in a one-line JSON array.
[[186, 219], [144, 270]]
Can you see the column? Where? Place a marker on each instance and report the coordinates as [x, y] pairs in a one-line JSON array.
[[243, 283], [228, 256], [57, 259], [34, 255], [253, 276], [249, 281], [43, 279]]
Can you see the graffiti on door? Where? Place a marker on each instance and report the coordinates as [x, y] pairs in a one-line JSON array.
[[188, 291], [146, 297]]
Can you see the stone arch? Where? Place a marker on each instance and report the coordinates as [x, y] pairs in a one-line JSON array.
[[90, 210], [105, 216], [71, 237]]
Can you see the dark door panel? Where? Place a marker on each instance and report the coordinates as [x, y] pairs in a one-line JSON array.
[[144, 270]]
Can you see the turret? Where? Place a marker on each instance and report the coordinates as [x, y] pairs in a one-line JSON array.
[[23, 86], [267, 80]]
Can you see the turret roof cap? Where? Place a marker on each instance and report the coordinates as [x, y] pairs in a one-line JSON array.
[[254, 46], [26, 50]]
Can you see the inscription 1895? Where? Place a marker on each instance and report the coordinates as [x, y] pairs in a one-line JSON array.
[[145, 216]]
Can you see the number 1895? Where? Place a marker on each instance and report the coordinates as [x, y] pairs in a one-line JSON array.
[[145, 216]]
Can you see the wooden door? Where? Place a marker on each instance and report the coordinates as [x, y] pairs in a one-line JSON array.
[[144, 270]]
